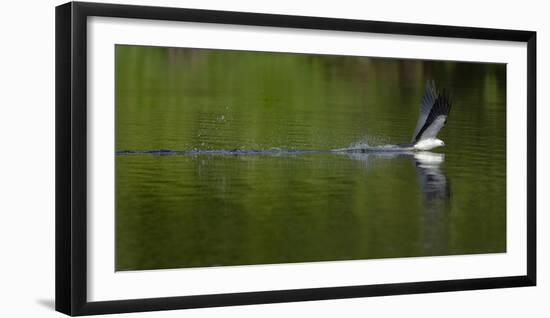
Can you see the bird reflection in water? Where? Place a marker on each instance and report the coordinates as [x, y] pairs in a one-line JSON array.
[[435, 194]]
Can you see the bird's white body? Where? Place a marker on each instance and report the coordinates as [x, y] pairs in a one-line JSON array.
[[428, 144]]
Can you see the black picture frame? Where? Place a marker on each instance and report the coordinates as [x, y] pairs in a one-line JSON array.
[[71, 157]]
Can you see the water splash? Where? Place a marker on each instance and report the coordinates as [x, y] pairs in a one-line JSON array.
[[369, 142]]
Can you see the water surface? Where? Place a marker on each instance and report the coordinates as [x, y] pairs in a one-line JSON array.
[[242, 191]]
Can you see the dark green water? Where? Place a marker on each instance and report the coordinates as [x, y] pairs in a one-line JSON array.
[[200, 210]]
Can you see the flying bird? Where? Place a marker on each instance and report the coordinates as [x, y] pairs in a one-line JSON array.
[[434, 110]]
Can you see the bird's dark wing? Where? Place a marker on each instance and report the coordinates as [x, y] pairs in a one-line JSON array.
[[429, 98], [433, 113]]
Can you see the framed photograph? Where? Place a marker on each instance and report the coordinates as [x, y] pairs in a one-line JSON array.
[[208, 158]]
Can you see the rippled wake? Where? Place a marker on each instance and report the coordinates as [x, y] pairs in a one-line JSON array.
[[235, 152], [271, 151]]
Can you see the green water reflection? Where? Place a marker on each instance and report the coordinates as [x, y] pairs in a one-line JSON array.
[[209, 210]]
